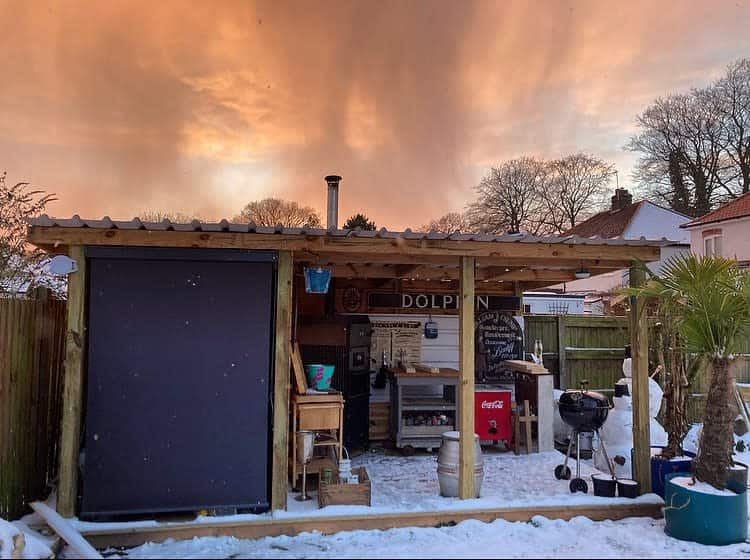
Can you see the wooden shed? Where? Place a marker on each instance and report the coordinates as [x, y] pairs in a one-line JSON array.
[[136, 281]]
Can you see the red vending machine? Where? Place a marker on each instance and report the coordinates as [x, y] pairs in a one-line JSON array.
[[492, 413]]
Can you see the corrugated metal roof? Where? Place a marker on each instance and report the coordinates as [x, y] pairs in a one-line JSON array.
[[229, 227]]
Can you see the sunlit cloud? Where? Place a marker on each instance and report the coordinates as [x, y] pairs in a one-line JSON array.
[[203, 106]]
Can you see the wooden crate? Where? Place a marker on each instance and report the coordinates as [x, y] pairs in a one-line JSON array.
[[380, 424], [337, 494]]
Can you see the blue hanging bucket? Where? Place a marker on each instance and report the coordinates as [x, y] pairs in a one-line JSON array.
[[317, 280]]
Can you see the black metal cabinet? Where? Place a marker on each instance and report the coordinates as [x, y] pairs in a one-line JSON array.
[[179, 370], [344, 342]]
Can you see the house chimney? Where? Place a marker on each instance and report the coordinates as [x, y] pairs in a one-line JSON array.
[[333, 201], [621, 199]]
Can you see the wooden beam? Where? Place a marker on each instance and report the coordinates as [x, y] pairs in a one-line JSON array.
[[75, 348], [329, 244], [323, 258], [282, 381], [466, 389], [493, 273], [639, 349], [121, 536]]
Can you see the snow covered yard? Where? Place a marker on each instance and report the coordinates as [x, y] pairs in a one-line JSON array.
[[579, 537], [409, 484], [403, 484]]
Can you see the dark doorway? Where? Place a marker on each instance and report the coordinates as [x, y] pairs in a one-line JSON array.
[[179, 369]]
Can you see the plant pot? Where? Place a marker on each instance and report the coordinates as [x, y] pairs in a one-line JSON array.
[[628, 488], [703, 517], [660, 468], [604, 485], [737, 479]]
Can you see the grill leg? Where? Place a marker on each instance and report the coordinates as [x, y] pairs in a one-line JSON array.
[[606, 456], [578, 454], [570, 446]]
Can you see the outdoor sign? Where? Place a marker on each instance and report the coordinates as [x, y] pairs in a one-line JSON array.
[[435, 301], [498, 337]]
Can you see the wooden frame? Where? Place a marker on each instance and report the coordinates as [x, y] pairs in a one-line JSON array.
[[128, 537], [641, 417], [466, 489], [313, 246], [75, 348], [282, 381], [516, 265]]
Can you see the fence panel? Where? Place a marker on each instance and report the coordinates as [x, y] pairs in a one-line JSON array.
[[32, 334]]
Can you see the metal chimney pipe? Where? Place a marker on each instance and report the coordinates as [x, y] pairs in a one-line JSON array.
[[333, 201]]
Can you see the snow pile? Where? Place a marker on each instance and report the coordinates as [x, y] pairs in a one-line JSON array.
[[33, 547], [690, 443], [579, 537]]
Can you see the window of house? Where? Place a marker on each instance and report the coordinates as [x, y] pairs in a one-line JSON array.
[[712, 245]]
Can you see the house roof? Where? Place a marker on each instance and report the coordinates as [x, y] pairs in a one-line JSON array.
[[738, 208], [607, 224], [610, 224]]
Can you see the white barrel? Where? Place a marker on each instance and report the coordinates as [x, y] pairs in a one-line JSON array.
[[448, 460]]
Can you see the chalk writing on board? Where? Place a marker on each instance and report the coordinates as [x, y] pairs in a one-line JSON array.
[[498, 337]]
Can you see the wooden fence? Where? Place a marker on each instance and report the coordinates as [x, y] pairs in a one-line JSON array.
[[32, 349], [578, 347]]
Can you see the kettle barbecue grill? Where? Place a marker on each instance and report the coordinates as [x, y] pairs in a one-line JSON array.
[[584, 411]]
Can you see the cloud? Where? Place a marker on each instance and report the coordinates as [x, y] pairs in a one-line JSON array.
[[203, 106]]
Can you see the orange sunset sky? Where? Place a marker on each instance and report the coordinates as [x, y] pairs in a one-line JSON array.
[[202, 106]]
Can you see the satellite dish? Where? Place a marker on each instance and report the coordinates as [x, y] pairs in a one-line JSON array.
[[62, 265]]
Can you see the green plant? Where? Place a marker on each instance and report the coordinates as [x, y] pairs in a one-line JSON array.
[[709, 298], [360, 221]]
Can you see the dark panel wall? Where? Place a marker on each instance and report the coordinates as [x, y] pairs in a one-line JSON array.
[[178, 385]]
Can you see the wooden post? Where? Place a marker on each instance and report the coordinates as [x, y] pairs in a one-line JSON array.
[[641, 420], [562, 367], [75, 348], [282, 381], [466, 389]]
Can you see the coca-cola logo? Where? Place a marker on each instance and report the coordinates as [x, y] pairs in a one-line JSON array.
[[492, 404]]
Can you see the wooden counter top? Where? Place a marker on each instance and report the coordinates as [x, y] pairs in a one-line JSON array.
[[436, 372], [522, 366]]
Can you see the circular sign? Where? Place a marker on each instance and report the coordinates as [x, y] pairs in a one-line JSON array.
[[351, 299]]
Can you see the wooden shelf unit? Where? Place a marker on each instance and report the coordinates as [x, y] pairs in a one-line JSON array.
[[426, 436]]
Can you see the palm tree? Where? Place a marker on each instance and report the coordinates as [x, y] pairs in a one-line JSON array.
[[710, 301]]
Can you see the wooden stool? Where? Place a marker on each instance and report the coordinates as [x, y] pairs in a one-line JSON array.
[[523, 417]]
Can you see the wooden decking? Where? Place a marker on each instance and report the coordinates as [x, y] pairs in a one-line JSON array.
[[123, 536]]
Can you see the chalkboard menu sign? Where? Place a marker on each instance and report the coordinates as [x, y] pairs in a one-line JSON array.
[[498, 337]]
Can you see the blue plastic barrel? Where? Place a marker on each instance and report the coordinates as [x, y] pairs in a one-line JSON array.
[[704, 518], [660, 468]]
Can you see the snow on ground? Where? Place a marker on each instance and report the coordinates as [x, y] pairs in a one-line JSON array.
[[33, 546], [410, 484], [579, 537]]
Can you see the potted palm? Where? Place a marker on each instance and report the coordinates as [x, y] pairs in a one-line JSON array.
[[712, 313]]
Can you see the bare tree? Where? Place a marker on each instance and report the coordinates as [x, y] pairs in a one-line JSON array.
[[687, 125], [451, 222], [20, 264], [161, 215], [576, 188], [731, 97], [273, 211], [509, 198]]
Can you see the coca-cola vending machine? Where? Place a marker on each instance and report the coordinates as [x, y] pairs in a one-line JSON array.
[[492, 413]]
